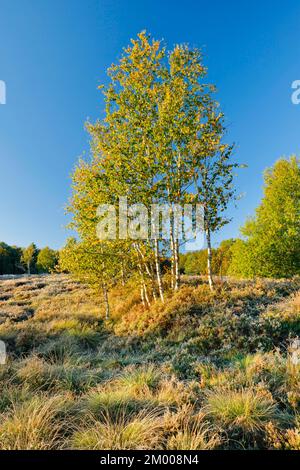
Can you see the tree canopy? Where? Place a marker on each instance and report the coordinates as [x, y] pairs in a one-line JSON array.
[[271, 244], [46, 260], [160, 142], [16, 260]]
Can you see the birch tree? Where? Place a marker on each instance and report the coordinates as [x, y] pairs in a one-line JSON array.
[[214, 172], [153, 146]]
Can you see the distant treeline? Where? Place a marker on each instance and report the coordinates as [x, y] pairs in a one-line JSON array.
[[30, 260], [270, 243], [195, 262]]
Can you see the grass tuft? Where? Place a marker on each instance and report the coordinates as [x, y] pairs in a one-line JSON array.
[[245, 409], [33, 424], [124, 432]]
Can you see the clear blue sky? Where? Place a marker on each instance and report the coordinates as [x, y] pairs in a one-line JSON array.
[[54, 53]]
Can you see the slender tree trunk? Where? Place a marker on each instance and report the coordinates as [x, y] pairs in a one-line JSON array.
[[175, 256], [172, 255], [175, 275], [152, 277], [176, 265], [172, 242], [28, 268], [176, 240], [158, 271], [154, 294], [209, 259], [144, 293], [142, 263]]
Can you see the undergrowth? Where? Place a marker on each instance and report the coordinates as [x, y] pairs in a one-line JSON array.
[[201, 371]]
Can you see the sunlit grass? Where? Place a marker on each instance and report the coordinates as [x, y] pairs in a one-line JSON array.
[[33, 424], [245, 409], [183, 375], [143, 431], [198, 436], [139, 380]]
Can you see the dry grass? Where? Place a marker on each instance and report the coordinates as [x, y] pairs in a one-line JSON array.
[[248, 410], [121, 432], [204, 371], [33, 424]]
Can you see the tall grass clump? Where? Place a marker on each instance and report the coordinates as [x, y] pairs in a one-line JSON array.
[[247, 410], [33, 424], [195, 434], [139, 380], [115, 400], [123, 432]]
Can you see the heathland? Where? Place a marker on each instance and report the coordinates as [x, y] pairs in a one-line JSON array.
[[204, 370]]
